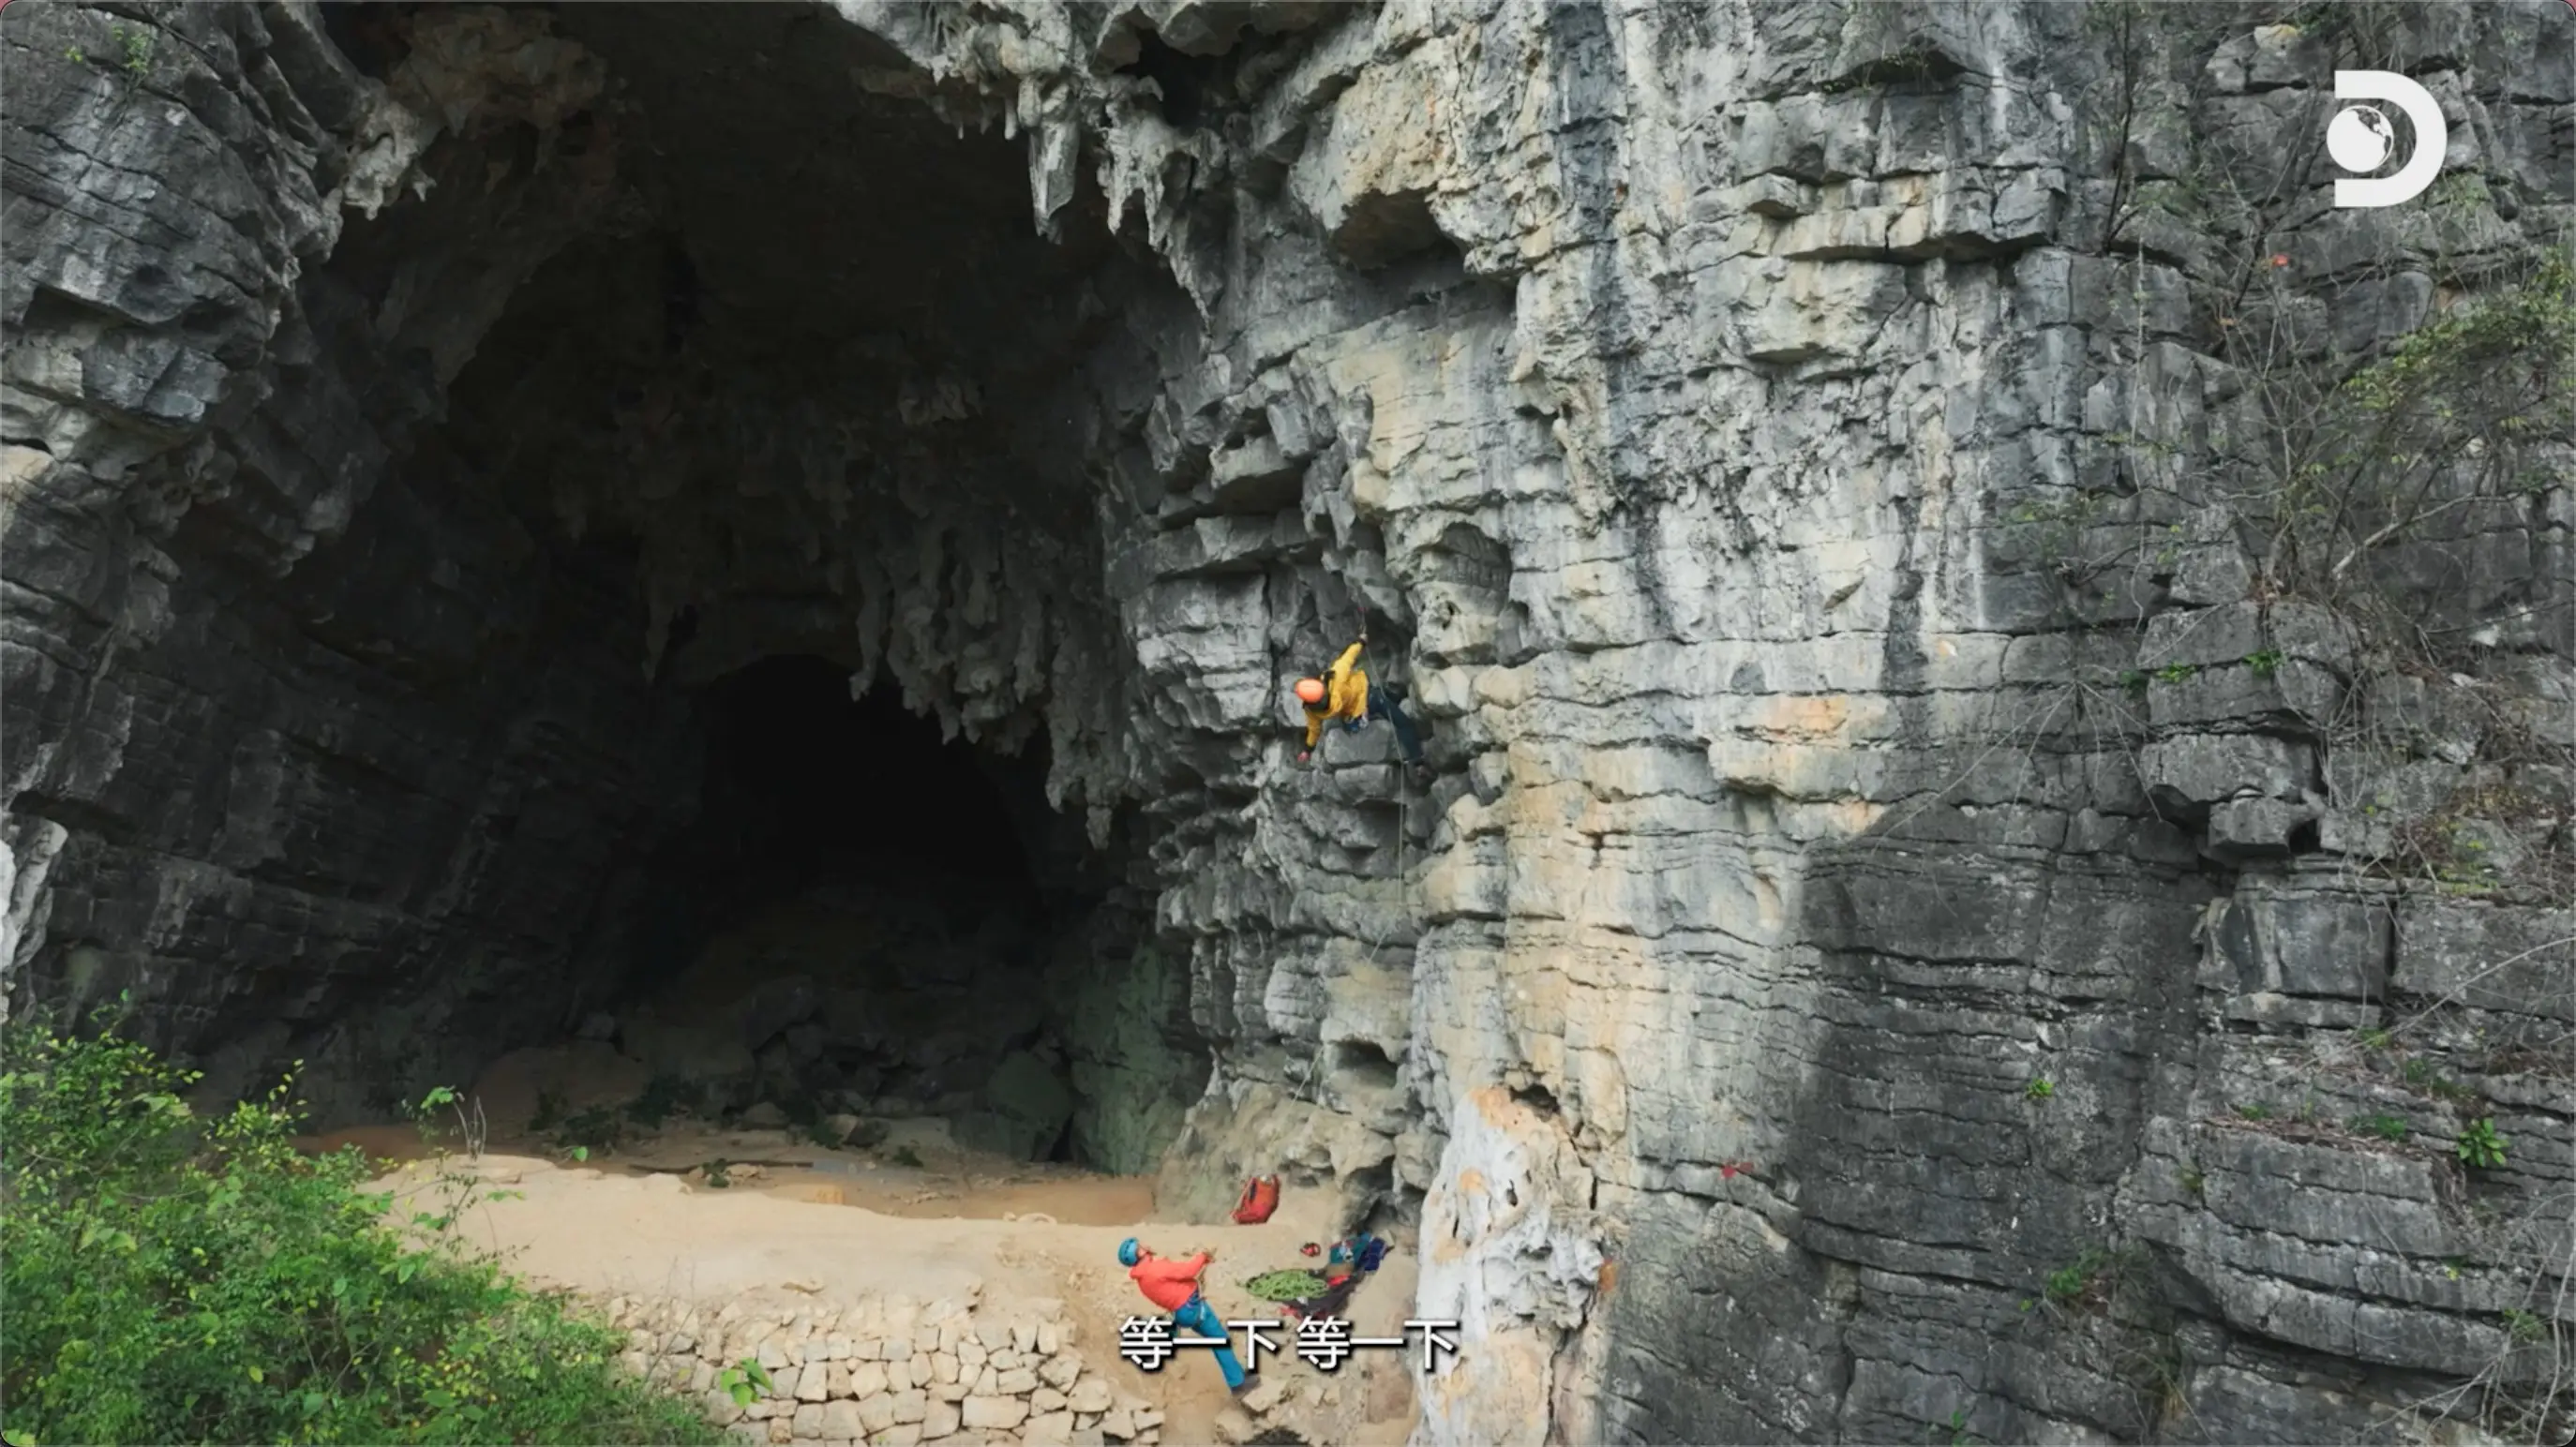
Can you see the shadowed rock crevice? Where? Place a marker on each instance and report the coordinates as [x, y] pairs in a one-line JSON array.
[[1994, 668], [506, 676]]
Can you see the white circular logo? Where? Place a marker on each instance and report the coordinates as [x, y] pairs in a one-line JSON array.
[[2360, 139]]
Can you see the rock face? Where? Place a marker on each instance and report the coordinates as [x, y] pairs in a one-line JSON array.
[[1990, 868]]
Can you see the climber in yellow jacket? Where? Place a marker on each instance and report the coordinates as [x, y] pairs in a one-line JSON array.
[[1342, 695]]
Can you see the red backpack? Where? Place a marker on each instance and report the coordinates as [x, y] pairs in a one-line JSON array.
[[1260, 1198]]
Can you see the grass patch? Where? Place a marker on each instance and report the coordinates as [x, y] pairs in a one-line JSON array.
[[664, 1096], [176, 1278], [597, 1129], [2424, 1076], [2087, 1282]]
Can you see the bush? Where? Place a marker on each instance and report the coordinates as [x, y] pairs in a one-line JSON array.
[[170, 1278]]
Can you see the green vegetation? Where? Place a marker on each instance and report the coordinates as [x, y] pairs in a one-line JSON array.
[[2254, 1111], [664, 1096], [745, 1381], [178, 1278], [2193, 1180], [2525, 1326], [549, 1113], [2039, 1089], [2265, 662], [2421, 1074], [133, 51], [2083, 1280], [2458, 413], [2480, 1146], [602, 1127], [596, 1129], [2386, 1127]]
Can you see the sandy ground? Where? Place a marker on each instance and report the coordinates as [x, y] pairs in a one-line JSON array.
[[815, 1225]]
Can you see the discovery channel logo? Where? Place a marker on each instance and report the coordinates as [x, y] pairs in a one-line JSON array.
[[2360, 139]]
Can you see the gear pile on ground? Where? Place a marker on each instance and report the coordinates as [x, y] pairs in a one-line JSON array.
[[1285, 1286]]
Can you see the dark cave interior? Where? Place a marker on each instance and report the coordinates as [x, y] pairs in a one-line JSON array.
[[804, 785], [863, 778], [762, 371]]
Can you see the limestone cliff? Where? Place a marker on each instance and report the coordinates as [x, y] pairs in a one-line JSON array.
[[2000, 830]]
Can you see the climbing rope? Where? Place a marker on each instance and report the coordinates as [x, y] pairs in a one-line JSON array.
[[1286, 1286], [1403, 817], [1307, 1085]]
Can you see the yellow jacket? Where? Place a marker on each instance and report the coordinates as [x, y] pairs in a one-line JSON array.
[[1345, 694]]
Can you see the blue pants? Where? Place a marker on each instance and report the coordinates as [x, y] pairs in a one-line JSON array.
[[1198, 1318], [1407, 741]]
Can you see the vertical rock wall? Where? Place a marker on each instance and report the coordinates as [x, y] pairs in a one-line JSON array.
[[307, 746], [1887, 950], [1874, 908]]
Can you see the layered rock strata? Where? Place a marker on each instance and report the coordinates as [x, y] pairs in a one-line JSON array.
[[1928, 918]]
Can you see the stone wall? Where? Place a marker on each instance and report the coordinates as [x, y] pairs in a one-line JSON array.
[[1906, 884], [891, 1371]]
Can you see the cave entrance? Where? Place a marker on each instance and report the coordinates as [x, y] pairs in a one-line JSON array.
[[718, 302], [830, 782], [864, 919]]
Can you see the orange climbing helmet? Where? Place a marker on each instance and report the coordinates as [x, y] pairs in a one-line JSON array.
[[1310, 690]]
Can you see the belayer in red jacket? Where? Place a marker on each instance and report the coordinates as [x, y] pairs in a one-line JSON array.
[[1174, 1286]]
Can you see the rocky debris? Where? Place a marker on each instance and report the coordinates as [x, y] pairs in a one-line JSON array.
[[772, 1007], [887, 1369], [1020, 1110], [484, 67], [860, 1001], [1264, 1398], [1881, 906]]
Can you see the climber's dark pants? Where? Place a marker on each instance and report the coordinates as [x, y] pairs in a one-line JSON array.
[[1410, 742]]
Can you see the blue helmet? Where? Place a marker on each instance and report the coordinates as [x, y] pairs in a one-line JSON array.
[[1129, 1253]]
